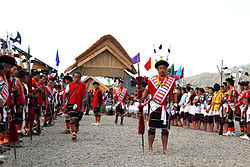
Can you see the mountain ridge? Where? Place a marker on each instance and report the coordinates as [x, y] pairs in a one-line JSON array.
[[209, 79]]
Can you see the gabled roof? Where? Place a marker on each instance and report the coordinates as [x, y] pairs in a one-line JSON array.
[[99, 46], [96, 80], [100, 41], [70, 67]]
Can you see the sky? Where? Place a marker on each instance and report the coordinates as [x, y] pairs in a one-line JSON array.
[[201, 32]]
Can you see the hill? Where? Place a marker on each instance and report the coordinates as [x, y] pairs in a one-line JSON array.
[[209, 79]]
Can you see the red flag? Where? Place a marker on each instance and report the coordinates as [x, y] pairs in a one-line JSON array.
[[148, 64]]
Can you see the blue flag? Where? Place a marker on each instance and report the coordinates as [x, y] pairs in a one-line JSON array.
[[93, 83], [179, 72], [136, 58], [57, 59]]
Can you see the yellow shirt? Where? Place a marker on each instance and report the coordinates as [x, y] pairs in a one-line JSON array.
[[217, 100]]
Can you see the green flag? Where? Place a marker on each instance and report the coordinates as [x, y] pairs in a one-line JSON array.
[[108, 81], [172, 70]]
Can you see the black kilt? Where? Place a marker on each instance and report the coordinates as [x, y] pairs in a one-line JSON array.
[[155, 121]]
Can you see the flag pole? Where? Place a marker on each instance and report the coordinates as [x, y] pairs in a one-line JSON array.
[[137, 57]]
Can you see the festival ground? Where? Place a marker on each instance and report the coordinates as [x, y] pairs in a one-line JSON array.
[[115, 145]]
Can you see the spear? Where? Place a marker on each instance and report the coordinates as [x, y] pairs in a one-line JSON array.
[[13, 136], [141, 127]]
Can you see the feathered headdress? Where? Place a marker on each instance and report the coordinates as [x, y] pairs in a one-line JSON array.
[[6, 56], [160, 58]]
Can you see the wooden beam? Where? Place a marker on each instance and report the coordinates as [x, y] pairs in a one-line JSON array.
[[92, 56], [20, 58], [82, 70], [119, 58], [102, 50]]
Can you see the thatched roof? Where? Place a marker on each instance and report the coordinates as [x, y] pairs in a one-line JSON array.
[[96, 46], [100, 41]]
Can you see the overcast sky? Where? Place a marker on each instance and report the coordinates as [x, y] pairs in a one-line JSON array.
[[201, 32]]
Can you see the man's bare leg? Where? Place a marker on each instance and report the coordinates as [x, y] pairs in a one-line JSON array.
[[151, 137], [164, 138]]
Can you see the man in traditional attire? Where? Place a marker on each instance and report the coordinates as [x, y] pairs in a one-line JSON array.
[[246, 111], [36, 101], [97, 102], [160, 87], [50, 98], [239, 116], [231, 99], [120, 96], [43, 94], [20, 101], [75, 92], [7, 114], [68, 79]]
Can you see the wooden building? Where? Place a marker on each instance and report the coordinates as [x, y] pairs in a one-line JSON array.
[[23, 57], [105, 58], [90, 80]]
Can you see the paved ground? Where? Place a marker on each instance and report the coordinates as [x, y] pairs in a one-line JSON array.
[[115, 145]]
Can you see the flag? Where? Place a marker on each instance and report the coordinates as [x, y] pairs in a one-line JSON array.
[[108, 81], [93, 83], [179, 72], [148, 64], [136, 58], [172, 70], [57, 59], [28, 63], [28, 52], [182, 76], [8, 42]]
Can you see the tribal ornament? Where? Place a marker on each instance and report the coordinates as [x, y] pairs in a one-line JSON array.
[[160, 53]]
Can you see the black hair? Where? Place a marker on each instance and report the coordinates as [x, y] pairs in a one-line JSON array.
[[35, 73], [67, 77], [201, 90], [51, 79], [77, 73], [21, 73], [231, 83], [211, 88], [96, 83], [41, 76], [216, 87], [184, 89], [14, 65], [188, 88]]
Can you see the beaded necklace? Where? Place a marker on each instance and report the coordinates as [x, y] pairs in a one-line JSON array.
[[163, 81]]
